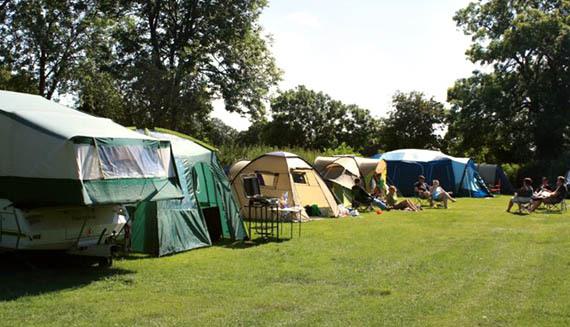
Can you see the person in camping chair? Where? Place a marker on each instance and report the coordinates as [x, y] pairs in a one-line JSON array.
[[439, 194], [421, 188], [361, 197], [555, 197], [523, 195], [544, 190]]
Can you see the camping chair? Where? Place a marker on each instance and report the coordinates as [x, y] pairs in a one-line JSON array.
[[555, 207], [362, 207], [524, 207], [361, 202], [495, 189]]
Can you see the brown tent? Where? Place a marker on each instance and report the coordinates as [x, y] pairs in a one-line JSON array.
[[282, 172]]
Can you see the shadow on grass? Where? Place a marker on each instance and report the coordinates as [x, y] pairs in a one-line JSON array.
[[32, 274], [249, 243]]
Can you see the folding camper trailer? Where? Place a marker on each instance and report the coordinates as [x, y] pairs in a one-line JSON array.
[[64, 175]]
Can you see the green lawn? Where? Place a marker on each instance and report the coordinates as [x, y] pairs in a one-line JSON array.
[[472, 264]]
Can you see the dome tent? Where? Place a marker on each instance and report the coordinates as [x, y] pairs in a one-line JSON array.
[[494, 175], [458, 175], [282, 172], [341, 171], [207, 212]]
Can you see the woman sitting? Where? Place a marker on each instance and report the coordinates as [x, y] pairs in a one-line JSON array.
[[392, 201], [555, 197], [544, 190], [439, 194], [523, 195]]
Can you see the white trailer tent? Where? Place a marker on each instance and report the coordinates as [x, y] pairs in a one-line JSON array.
[[341, 171], [281, 172], [53, 155]]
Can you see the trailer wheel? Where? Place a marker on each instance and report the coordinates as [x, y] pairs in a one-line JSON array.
[[105, 262]]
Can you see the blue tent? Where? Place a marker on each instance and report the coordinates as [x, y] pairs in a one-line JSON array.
[[458, 175]]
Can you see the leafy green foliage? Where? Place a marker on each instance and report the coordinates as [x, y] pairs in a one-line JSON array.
[[310, 119], [140, 62], [524, 104], [218, 133], [46, 40], [174, 57], [18, 82], [231, 153], [415, 122], [483, 125]]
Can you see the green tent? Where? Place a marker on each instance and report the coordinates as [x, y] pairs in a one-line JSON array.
[[53, 155], [207, 212]]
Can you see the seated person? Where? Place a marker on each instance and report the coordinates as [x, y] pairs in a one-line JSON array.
[[544, 190], [555, 197], [421, 188], [439, 194], [360, 196], [523, 195], [392, 201]]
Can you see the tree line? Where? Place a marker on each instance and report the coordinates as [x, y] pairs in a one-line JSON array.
[[161, 63]]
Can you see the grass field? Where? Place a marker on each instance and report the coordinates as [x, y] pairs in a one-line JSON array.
[[472, 264]]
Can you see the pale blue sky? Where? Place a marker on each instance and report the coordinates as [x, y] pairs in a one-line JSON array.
[[362, 51]]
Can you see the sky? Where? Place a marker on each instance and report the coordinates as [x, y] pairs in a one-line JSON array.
[[362, 51]]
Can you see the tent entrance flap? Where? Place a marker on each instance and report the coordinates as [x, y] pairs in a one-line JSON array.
[[207, 212]]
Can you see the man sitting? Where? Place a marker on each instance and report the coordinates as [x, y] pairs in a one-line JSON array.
[[522, 196], [421, 189], [360, 196], [555, 197]]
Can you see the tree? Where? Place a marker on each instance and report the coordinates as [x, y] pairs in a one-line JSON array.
[[528, 45], [44, 41], [218, 133], [484, 125], [175, 57], [309, 119], [414, 122], [18, 82]]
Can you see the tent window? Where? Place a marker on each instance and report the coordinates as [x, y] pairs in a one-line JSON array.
[[121, 161], [251, 186], [267, 179], [299, 178], [334, 172]]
